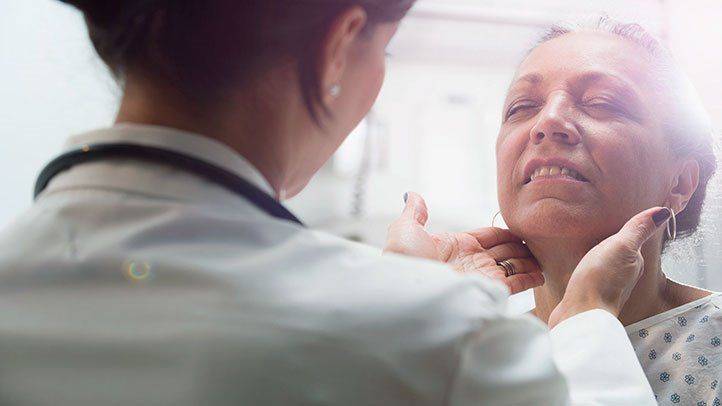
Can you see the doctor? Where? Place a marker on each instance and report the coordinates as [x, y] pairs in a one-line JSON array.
[[157, 265]]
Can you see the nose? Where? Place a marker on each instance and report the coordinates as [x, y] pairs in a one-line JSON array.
[[555, 122]]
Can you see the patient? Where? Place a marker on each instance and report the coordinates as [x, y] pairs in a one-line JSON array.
[[598, 125]]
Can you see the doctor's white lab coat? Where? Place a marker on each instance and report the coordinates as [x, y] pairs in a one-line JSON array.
[[133, 283]]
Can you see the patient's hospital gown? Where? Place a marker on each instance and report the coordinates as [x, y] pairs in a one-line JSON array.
[[681, 353]]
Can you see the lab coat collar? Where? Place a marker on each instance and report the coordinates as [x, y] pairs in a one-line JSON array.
[[184, 142]]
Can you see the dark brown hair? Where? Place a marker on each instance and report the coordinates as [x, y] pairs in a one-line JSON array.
[[203, 48], [688, 127]]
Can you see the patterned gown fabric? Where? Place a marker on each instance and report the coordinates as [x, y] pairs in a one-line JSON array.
[[681, 354]]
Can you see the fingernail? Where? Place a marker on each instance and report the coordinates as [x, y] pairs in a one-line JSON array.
[[406, 197], [661, 216]]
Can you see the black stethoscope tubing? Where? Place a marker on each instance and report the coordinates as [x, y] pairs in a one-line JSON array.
[[187, 163]]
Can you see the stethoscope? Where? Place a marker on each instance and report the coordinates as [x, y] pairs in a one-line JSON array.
[[187, 163]]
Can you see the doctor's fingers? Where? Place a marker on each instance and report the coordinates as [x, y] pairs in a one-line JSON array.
[[527, 274], [520, 266], [520, 282], [492, 236], [509, 250], [415, 209]]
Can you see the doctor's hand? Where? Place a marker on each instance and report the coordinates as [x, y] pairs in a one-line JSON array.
[[606, 275], [473, 251]]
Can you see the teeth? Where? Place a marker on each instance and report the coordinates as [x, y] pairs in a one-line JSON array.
[[554, 171]]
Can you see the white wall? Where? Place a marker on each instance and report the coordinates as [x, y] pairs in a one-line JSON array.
[[51, 85], [432, 130]]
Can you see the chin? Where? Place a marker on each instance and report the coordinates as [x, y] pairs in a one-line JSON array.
[[301, 178], [295, 189], [555, 223]]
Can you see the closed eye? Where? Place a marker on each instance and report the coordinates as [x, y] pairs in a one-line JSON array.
[[519, 107], [603, 103]]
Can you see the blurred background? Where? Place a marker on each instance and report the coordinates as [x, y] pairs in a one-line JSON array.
[[432, 130]]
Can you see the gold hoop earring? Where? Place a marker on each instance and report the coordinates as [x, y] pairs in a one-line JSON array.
[[672, 226], [493, 219]]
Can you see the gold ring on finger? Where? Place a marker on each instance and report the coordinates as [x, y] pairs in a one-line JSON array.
[[509, 268]]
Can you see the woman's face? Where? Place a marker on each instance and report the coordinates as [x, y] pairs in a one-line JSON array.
[[581, 147]]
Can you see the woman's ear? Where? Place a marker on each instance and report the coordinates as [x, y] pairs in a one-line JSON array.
[[684, 186], [337, 47]]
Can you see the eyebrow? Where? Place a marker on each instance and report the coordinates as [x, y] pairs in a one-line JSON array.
[[588, 78], [533, 78], [620, 85]]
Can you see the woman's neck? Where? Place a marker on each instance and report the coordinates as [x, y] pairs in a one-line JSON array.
[[653, 294]]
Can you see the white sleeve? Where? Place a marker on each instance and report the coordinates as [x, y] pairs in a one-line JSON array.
[[507, 361], [594, 354], [511, 361]]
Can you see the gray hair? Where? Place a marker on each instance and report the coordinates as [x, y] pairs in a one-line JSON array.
[[687, 128]]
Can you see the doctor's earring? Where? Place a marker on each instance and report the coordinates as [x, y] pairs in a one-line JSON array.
[[335, 90], [672, 226]]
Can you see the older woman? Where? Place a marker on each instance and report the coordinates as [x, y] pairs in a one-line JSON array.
[[598, 124]]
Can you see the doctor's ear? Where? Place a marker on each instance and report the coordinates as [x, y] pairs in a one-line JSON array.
[[336, 49], [684, 185]]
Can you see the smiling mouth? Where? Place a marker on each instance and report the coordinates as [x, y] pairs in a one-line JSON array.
[[552, 171]]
